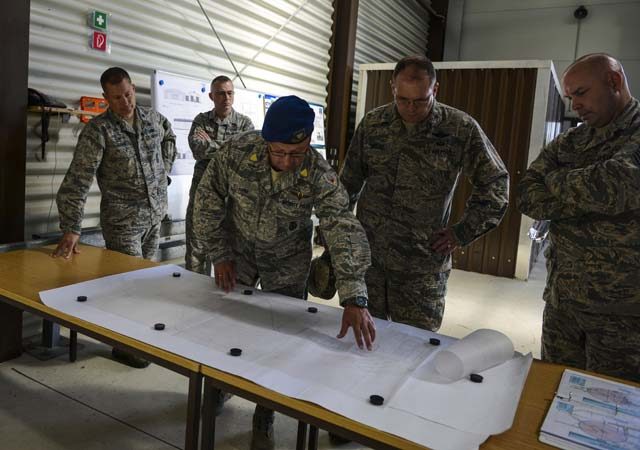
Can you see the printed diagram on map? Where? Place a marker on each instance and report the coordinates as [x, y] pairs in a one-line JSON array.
[[592, 413]]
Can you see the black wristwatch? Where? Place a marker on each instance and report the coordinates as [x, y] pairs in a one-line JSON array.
[[359, 301]]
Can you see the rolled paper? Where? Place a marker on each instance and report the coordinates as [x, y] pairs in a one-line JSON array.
[[474, 353]]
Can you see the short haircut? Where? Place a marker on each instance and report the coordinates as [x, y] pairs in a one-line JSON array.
[[113, 75], [220, 79], [416, 62]]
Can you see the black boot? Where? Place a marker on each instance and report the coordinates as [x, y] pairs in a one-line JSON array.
[[129, 359]]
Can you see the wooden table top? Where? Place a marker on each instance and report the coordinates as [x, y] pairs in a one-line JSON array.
[[24, 273]]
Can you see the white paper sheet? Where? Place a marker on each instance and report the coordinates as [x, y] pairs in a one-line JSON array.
[[292, 351]]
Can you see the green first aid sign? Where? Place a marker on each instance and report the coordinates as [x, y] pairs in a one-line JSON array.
[[99, 20]]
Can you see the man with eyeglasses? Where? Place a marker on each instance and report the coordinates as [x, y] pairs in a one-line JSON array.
[[208, 131], [402, 168], [253, 216]]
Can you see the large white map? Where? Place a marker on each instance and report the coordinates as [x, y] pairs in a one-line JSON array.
[[293, 351]]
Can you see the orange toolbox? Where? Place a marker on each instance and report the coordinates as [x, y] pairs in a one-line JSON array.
[[95, 105]]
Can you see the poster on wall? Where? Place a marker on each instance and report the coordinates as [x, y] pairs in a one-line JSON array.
[[317, 140], [180, 99]]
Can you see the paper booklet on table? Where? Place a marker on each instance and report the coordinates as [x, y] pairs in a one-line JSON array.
[[588, 412]]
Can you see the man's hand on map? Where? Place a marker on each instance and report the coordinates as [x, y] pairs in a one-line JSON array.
[[362, 323]]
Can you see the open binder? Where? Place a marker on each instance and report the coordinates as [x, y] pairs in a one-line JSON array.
[[589, 412]]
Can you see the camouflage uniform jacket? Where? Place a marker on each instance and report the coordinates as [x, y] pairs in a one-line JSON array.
[[131, 165], [240, 209], [219, 130], [587, 183], [404, 181]]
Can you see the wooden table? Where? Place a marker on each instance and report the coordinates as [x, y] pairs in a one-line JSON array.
[[304, 412], [541, 385], [24, 273]]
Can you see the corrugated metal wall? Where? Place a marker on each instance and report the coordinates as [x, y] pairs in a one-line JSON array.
[[171, 35], [387, 31]]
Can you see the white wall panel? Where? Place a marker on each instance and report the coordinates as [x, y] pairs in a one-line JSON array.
[[171, 35], [473, 6], [546, 29]]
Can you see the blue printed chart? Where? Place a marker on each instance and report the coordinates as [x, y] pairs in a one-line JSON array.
[[593, 413]]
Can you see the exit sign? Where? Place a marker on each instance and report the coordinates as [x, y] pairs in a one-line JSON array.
[[98, 20]]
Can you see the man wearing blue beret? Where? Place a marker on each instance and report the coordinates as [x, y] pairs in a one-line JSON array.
[[253, 217]]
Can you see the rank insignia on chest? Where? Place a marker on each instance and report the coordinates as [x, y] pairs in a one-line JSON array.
[[253, 157]]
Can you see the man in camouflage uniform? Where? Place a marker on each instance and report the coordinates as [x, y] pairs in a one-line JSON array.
[[402, 168], [130, 150], [208, 131], [587, 183], [253, 216]]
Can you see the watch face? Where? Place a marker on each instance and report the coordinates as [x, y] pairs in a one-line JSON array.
[[361, 302]]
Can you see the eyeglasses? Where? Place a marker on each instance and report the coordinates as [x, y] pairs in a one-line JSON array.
[[417, 102], [293, 155]]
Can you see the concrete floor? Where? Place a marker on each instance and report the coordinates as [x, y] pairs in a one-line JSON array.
[[96, 403]]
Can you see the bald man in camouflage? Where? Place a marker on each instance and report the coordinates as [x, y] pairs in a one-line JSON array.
[[253, 216], [402, 169], [587, 183]]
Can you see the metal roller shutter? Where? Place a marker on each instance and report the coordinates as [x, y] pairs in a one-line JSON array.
[[387, 31]]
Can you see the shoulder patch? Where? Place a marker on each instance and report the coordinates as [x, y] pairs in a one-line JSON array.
[[304, 173], [253, 157]]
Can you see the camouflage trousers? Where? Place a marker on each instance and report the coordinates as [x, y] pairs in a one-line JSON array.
[[289, 283], [412, 299], [281, 267], [134, 240], [605, 344], [194, 257]]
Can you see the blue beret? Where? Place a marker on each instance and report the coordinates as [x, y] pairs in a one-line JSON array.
[[289, 120]]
